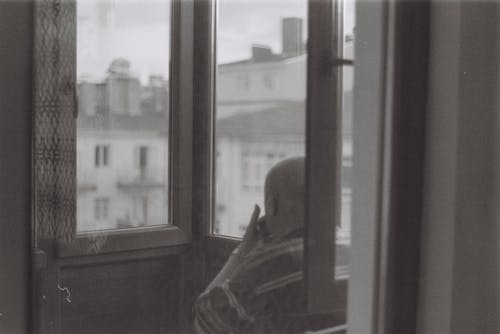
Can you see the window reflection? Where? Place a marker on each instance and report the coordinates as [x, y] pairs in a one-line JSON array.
[[122, 125]]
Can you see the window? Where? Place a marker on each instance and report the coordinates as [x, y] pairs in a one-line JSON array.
[[116, 98], [143, 157], [269, 126], [101, 155], [120, 107], [255, 131], [101, 208], [122, 70]]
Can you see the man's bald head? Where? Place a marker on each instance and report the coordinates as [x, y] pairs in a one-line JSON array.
[[285, 195]]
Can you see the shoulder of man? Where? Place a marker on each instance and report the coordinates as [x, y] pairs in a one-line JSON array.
[[267, 283], [267, 274]]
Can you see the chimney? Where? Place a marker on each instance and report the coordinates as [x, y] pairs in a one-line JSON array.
[[291, 36], [261, 53]]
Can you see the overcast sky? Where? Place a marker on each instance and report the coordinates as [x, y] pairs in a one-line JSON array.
[[138, 30]]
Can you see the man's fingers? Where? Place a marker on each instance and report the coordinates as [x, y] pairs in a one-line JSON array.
[[252, 225], [255, 214]]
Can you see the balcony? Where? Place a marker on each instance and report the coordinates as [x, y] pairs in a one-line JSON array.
[[142, 179]]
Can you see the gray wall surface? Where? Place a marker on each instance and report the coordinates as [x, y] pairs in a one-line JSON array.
[[15, 159]]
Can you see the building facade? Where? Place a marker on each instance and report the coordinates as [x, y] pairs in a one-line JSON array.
[[122, 151]]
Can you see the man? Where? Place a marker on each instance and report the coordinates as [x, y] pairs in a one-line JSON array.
[[260, 288]]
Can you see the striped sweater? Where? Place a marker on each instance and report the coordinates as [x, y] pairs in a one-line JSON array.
[[264, 294]]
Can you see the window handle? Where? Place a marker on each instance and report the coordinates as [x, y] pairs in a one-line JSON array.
[[342, 62], [328, 62]]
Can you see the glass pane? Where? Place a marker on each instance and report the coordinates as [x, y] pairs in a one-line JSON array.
[[123, 51], [260, 101], [346, 89], [343, 232]]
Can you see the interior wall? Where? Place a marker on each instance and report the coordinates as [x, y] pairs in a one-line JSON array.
[[126, 297], [475, 272], [15, 164], [459, 260]]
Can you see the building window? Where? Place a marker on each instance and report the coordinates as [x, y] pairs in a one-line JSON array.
[[255, 164], [140, 210], [101, 208], [269, 81], [143, 157], [102, 155]]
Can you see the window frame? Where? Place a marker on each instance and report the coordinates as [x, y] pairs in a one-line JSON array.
[[220, 245], [391, 81], [376, 271], [178, 232], [192, 148]]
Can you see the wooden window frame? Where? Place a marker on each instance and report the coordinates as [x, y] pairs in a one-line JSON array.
[[179, 230]]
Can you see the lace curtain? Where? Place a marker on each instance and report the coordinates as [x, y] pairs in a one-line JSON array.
[[54, 134]]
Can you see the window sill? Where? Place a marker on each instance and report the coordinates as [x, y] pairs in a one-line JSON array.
[[114, 241]]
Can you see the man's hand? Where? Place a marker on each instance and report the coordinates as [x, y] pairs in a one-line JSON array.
[[249, 241], [252, 235]]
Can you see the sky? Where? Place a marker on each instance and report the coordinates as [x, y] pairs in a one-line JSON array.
[[139, 31]]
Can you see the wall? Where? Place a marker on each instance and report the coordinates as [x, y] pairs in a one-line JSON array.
[[126, 297], [15, 157], [459, 249]]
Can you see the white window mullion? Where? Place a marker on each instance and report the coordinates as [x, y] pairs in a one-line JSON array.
[[371, 176]]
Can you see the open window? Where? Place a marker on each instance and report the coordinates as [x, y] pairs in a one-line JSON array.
[[269, 93], [152, 163]]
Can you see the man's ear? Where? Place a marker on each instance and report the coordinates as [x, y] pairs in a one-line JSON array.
[[272, 206]]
